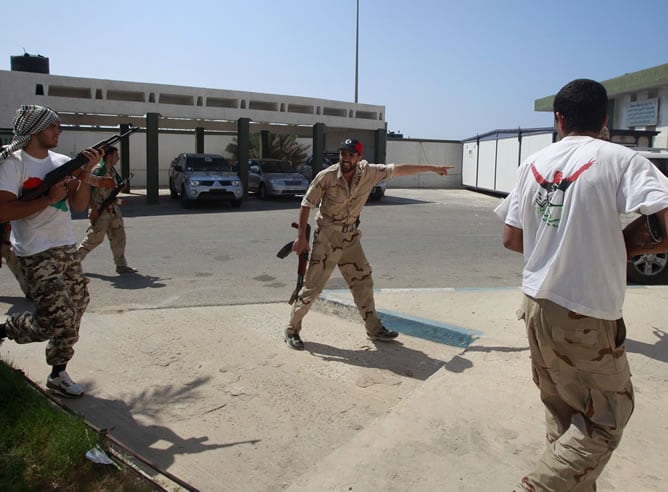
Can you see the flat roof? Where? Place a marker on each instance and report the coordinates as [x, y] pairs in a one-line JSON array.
[[649, 78]]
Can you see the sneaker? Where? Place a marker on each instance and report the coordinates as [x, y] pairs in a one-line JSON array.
[[294, 341], [383, 335], [125, 269], [64, 385]]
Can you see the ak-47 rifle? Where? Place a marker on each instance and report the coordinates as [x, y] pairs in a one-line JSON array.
[[303, 261], [70, 168], [112, 196]]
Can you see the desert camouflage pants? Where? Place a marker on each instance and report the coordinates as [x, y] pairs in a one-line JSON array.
[[332, 248], [580, 366], [109, 224], [13, 265], [58, 288]]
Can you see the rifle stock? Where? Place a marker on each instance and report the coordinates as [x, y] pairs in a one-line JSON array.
[[70, 168]]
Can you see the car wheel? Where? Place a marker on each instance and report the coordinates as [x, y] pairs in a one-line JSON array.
[[172, 192], [648, 269], [185, 201], [262, 192]]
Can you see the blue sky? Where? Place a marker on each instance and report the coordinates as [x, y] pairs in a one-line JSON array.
[[443, 69]]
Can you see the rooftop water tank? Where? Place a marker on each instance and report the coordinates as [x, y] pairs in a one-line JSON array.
[[30, 63]]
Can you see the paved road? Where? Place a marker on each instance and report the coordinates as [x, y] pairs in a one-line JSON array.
[[216, 255]]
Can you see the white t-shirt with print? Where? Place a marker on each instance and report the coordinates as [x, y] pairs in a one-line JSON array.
[[567, 200], [47, 228]]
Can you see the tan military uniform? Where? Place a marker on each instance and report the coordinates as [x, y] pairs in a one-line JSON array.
[[109, 223], [580, 366], [336, 241]]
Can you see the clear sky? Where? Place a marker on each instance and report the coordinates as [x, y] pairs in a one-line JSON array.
[[443, 69]]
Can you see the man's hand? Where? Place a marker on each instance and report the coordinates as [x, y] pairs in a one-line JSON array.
[[58, 192], [93, 215], [94, 156], [442, 170], [300, 245]]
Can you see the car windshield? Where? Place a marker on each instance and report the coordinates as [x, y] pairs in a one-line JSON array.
[[276, 167], [207, 163]]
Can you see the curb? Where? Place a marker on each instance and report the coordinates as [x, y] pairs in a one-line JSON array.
[[414, 326]]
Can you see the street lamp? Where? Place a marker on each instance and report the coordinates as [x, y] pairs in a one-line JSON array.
[[357, 46]]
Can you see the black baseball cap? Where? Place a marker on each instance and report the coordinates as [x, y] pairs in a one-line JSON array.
[[352, 145]]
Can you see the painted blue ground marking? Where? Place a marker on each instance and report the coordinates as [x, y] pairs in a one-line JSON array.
[[427, 329]]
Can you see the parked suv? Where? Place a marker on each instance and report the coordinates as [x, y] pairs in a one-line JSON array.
[[204, 177], [274, 177], [651, 268]]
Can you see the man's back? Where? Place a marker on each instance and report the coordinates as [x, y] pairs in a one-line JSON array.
[[570, 196]]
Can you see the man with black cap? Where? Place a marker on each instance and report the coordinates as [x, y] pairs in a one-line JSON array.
[[341, 191], [43, 240]]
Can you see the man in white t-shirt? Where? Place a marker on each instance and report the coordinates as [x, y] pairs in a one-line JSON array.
[[43, 240], [563, 215]]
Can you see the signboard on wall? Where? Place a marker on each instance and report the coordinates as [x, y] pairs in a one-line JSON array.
[[642, 113]]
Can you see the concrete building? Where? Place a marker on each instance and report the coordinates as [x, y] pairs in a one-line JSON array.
[[179, 119], [638, 101]]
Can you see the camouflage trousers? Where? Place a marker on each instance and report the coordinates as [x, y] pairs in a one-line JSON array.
[[59, 290], [580, 366], [13, 265], [109, 224], [332, 248]]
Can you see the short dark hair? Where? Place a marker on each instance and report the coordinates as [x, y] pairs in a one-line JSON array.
[[110, 150], [584, 105]]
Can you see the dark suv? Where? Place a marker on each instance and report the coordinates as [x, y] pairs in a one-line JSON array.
[[204, 177]]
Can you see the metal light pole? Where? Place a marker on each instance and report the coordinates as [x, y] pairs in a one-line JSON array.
[[357, 46]]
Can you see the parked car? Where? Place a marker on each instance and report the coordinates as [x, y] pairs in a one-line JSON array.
[[274, 177], [651, 268], [204, 177]]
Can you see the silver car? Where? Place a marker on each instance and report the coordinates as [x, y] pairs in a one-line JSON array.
[[204, 177], [274, 177]]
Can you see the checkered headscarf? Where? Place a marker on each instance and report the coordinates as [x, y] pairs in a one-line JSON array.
[[29, 121]]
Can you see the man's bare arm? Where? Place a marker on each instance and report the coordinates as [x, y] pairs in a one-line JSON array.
[[409, 169], [301, 243], [11, 208], [638, 240], [513, 238]]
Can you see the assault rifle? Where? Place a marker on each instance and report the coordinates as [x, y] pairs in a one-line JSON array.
[[112, 196], [70, 168], [303, 261]]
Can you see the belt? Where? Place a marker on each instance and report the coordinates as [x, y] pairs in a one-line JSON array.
[[344, 227]]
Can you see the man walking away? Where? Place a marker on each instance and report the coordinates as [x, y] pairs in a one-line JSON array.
[[563, 215]]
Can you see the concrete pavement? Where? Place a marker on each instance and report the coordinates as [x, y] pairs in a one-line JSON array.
[[213, 395]]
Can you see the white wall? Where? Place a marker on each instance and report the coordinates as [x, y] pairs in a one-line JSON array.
[[491, 164], [438, 152]]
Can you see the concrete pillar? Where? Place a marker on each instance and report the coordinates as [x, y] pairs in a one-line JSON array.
[[152, 161], [318, 147], [199, 140], [124, 153], [243, 151], [380, 145], [264, 143]]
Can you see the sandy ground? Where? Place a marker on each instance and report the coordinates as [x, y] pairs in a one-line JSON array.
[[214, 396]]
